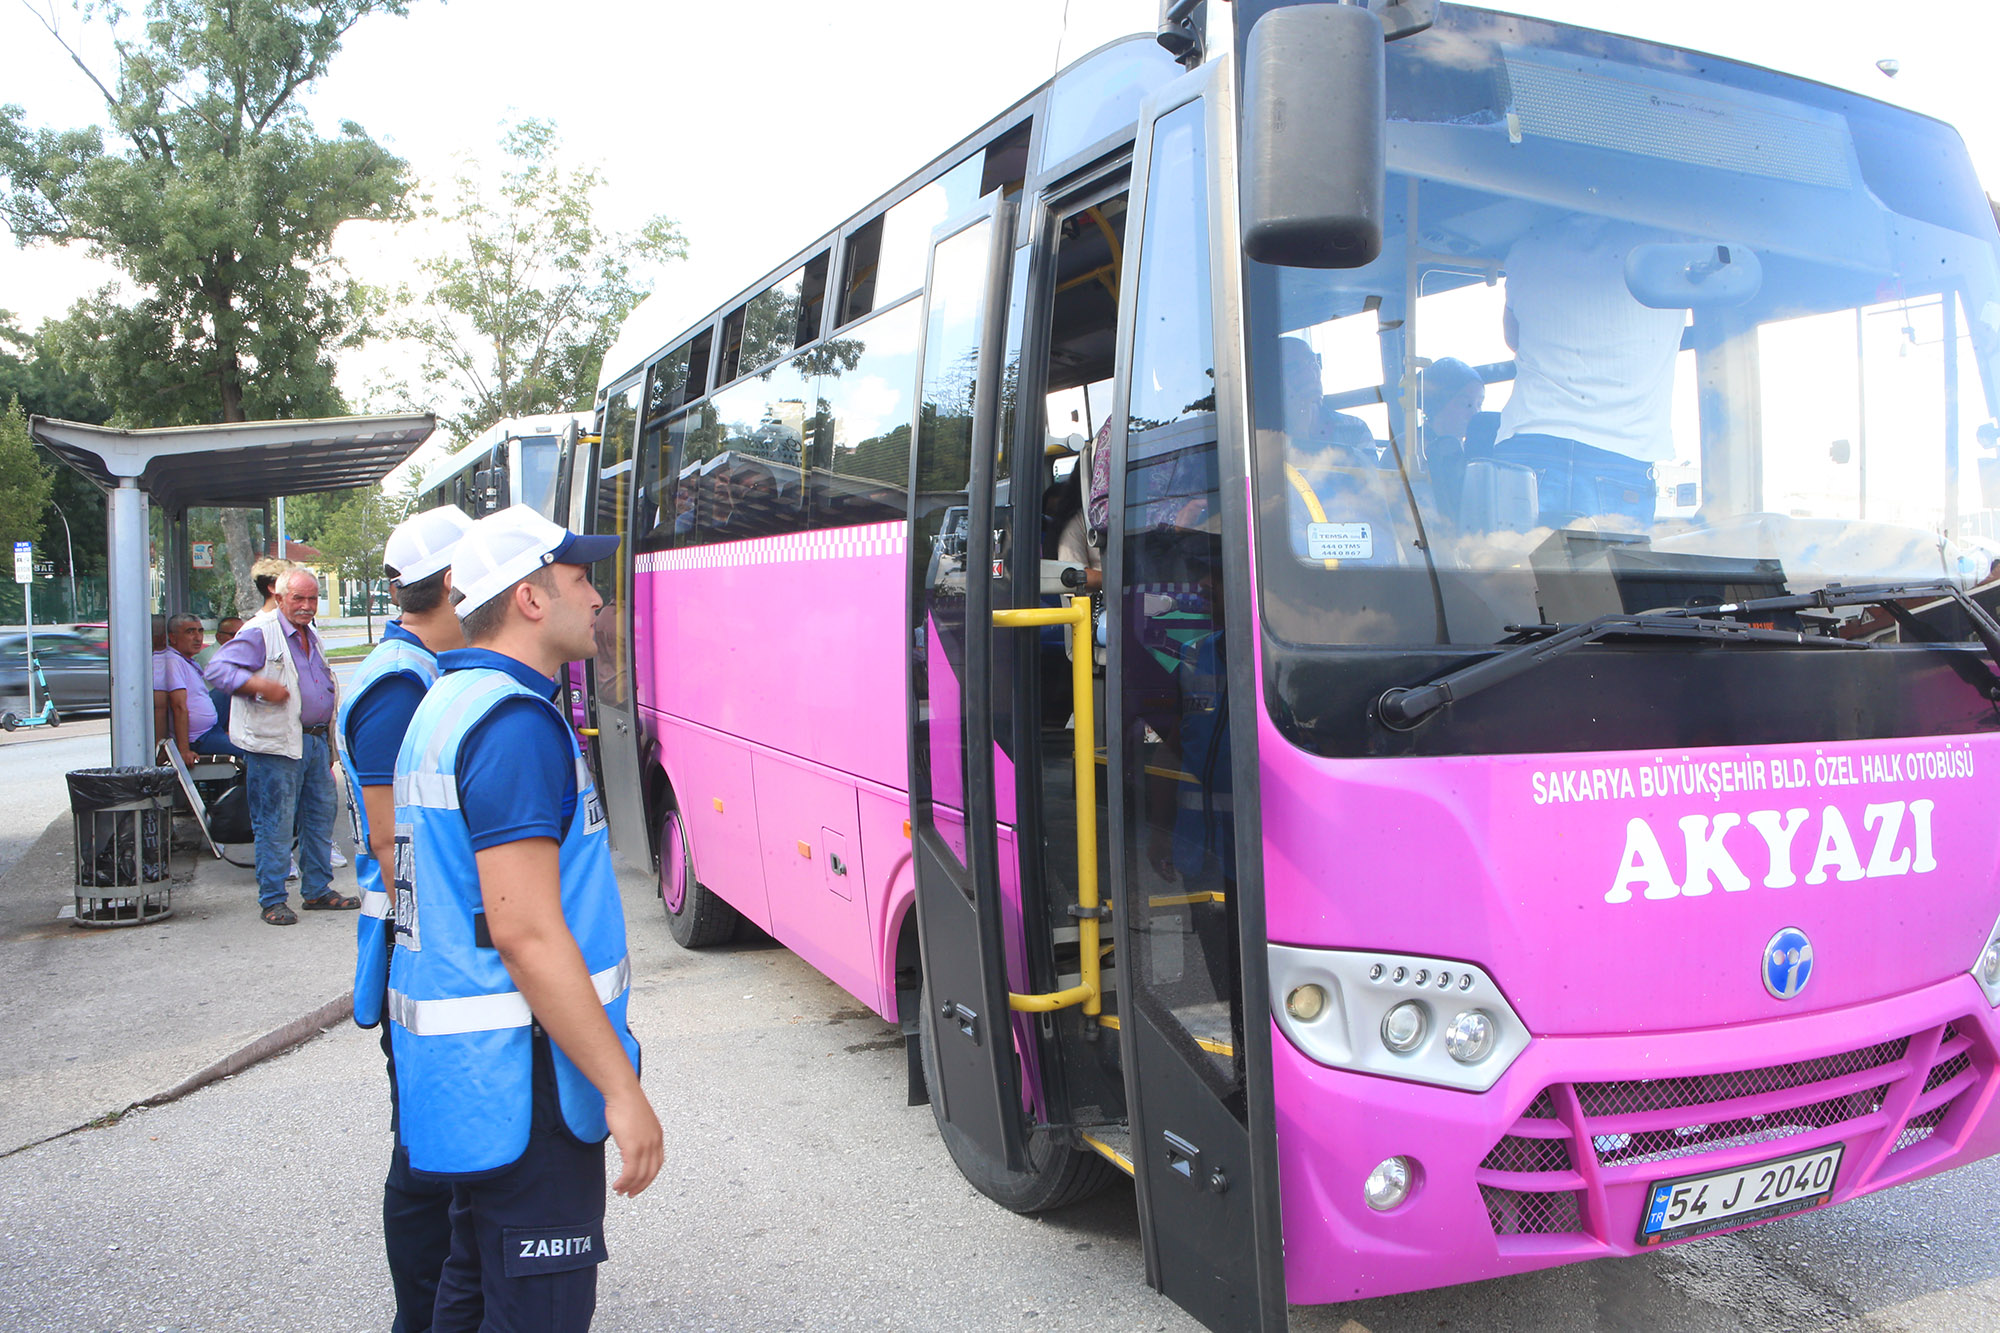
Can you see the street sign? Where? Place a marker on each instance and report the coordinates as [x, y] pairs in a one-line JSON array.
[[201, 554], [24, 561]]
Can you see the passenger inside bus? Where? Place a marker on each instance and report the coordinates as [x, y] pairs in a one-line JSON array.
[[1340, 499], [1074, 544], [1591, 409], [1452, 394]]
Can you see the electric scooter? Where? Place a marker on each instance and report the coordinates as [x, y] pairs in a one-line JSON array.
[[46, 715]]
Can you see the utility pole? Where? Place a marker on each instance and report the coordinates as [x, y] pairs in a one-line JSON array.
[[70, 547]]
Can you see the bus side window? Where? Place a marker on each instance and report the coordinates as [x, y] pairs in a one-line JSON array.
[[858, 451]]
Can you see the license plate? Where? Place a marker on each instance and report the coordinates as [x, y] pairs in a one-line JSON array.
[[1694, 1205]]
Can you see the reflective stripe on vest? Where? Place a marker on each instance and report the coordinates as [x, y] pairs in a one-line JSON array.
[[491, 1013], [391, 657]]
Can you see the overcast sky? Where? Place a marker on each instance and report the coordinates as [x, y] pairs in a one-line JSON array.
[[759, 124]]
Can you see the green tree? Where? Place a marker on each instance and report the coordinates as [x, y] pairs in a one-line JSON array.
[[219, 201], [25, 482], [31, 373], [307, 516], [353, 538], [517, 312]]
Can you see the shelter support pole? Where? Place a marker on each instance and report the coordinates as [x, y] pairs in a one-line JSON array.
[[175, 562], [131, 627]]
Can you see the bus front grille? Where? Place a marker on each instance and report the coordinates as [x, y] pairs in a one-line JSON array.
[[1575, 1139]]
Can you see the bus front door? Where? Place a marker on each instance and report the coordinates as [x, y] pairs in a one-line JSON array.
[[612, 708], [974, 1076], [1187, 894]]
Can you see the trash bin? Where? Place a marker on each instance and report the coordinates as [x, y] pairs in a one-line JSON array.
[[121, 818]]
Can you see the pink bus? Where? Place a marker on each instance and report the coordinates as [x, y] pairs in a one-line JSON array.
[[1386, 636]]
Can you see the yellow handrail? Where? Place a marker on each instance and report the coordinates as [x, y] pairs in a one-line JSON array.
[[1090, 994]]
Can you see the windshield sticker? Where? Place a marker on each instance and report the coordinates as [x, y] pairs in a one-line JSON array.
[[1340, 541]]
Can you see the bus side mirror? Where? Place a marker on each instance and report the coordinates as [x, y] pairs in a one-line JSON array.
[[1314, 107]]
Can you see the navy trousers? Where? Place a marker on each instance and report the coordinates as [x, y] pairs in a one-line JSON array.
[[526, 1240], [416, 1228]]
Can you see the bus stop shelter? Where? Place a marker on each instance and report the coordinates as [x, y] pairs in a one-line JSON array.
[[241, 465]]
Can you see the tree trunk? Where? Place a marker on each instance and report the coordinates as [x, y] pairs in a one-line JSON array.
[[236, 545]]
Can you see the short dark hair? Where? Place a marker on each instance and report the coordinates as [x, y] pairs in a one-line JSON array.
[[420, 598], [484, 622]]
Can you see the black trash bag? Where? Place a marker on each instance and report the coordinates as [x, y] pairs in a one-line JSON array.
[[101, 788], [121, 848], [229, 815]]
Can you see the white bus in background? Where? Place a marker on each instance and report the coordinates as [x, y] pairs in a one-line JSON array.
[[517, 460]]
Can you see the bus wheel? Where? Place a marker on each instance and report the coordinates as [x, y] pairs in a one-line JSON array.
[[1058, 1173], [695, 916]]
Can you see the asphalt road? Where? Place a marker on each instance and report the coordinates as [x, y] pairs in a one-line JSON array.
[[800, 1193], [32, 790]]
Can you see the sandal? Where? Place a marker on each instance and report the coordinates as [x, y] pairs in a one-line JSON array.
[[280, 914], [332, 902]]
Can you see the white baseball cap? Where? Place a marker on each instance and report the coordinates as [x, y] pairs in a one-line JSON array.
[[422, 544], [501, 549]]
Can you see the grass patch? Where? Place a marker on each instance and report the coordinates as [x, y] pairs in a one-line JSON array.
[[347, 652]]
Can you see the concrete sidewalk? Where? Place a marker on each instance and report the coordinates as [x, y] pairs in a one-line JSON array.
[[102, 1019]]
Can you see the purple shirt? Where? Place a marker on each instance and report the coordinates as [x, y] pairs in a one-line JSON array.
[[243, 657], [171, 671]]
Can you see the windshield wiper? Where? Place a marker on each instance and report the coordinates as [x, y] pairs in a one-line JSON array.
[[1404, 706], [1883, 595]]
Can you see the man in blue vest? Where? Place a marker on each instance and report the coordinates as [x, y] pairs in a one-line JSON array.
[[509, 983], [374, 717]]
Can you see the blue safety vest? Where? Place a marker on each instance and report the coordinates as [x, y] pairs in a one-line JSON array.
[[462, 1034], [371, 945]]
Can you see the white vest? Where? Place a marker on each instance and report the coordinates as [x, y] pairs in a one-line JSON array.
[[264, 728]]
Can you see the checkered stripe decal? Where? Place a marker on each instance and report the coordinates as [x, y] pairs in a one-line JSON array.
[[791, 548]]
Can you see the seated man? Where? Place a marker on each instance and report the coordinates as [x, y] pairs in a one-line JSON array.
[[191, 718], [1451, 393], [1341, 504]]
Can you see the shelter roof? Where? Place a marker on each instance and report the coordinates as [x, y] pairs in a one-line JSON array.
[[241, 464]]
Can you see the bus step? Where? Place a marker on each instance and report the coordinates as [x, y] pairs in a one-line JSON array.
[[1111, 1142]]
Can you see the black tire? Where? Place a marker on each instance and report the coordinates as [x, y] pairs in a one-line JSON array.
[[696, 918], [55, 718], [1059, 1174], [8, 722]]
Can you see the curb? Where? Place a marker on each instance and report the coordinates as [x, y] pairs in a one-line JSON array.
[[273, 1043]]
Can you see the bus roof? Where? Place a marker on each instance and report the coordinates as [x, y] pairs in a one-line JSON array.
[[697, 293]]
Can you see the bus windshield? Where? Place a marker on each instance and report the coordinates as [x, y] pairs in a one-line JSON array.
[[1637, 338], [537, 481]]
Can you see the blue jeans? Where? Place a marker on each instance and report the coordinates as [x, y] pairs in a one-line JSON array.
[[1580, 481], [292, 797], [215, 741]]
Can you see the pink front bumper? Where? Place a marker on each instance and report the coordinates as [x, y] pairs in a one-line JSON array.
[[1554, 1163]]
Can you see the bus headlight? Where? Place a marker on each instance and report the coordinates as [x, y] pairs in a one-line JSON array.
[[1442, 1021], [1985, 968], [1403, 1027], [1388, 1184], [1468, 1038], [1306, 1002]]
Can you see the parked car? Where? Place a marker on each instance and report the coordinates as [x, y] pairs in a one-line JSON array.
[[78, 672]]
